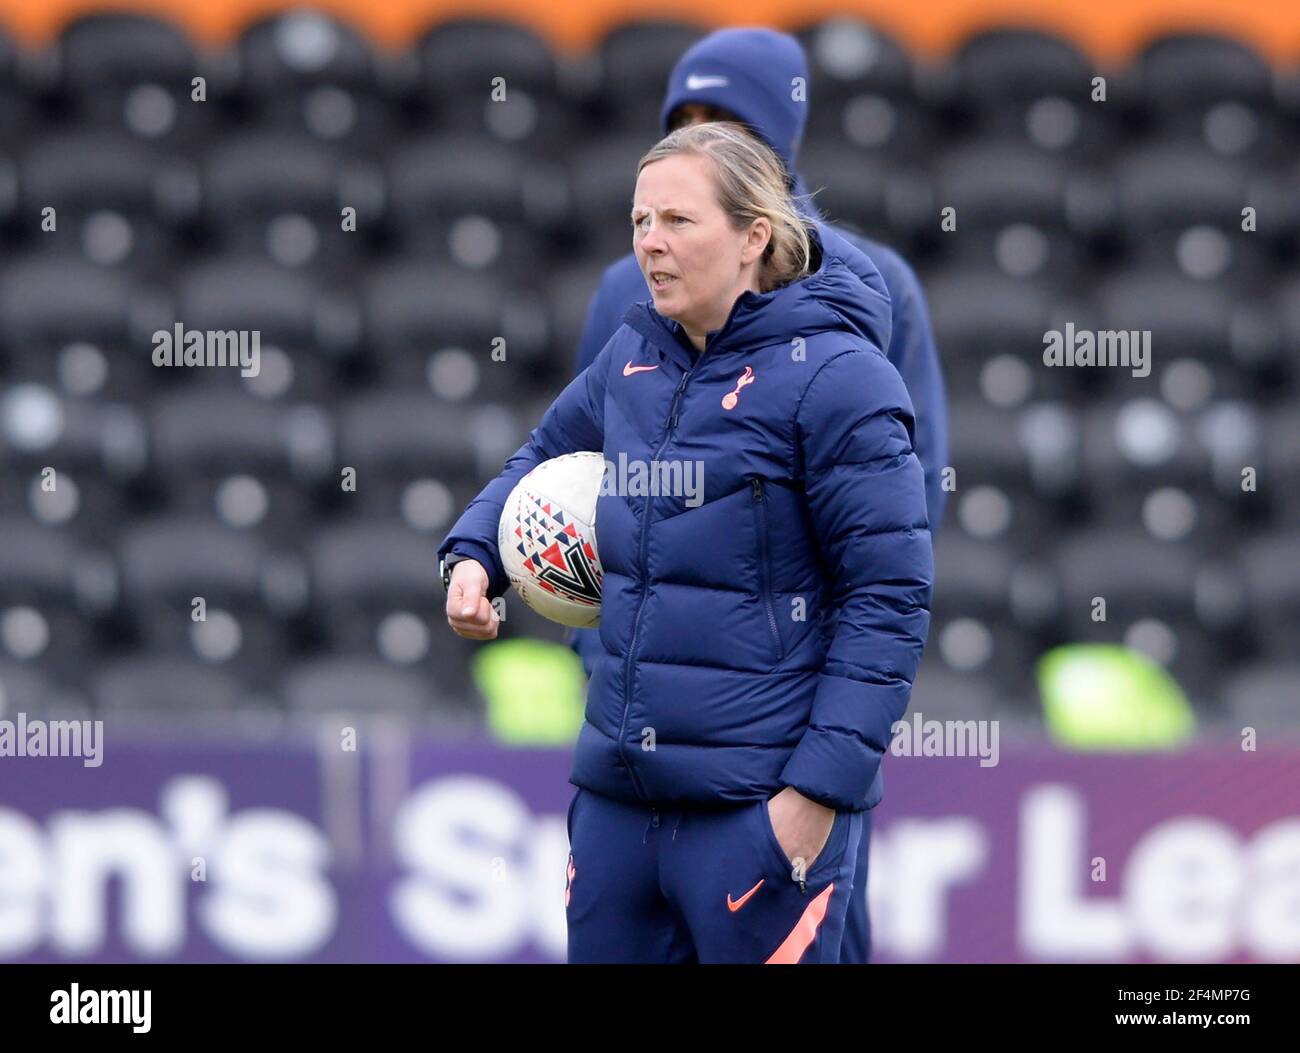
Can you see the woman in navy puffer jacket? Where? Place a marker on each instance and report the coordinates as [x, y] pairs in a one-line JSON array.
[[759, 643]]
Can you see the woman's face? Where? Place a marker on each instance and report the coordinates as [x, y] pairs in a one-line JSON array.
[[694, 262]]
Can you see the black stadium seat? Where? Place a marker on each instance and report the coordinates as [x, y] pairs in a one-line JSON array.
[[127, 209], [415, 310], [847, 56], [282, 194], [1286, 298], [406, 435], [462, 56], [310, 71], [975, 627], [251, 463], [864, 90], [980, 314], [1233, 336], [1145, 464], [1031, 86], [374, 565], [376, 591], [53, 306], [415, 460], [307, 327], [68, 461], [26, 689], [1011, 205], [940, 693], [571, 290], [633, 62], [1180, 205], [1266, 697], [132, 72], [870, 194], [472, 202], [1157, 599], [997, 474], [250, 594], [1280, 465], [15, 107], [1270, 565], [1208, 88], [491, 77], [54, 595], [152, 687], [359, 686]]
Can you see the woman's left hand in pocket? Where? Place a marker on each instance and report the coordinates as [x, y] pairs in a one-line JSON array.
[[802, 825]]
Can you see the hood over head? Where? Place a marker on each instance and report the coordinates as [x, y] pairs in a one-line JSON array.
[[752, 73]]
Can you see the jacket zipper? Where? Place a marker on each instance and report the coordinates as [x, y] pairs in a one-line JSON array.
[[760, 511], [670, 424]]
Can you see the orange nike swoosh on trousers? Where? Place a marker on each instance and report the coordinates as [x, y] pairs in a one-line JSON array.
[[735, 905], [629, 369]]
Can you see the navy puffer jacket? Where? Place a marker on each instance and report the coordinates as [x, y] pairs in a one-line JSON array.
[[726, 674]]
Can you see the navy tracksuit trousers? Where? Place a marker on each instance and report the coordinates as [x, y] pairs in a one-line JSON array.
[[856, 946], [697, 885]]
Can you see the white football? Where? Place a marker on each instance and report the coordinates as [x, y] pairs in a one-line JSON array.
[[547, 539]]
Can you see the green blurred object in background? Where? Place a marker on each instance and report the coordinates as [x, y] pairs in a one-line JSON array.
[[535, 691], [1109, 697]]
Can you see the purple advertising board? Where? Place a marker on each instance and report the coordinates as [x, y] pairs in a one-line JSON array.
[[408, 849]]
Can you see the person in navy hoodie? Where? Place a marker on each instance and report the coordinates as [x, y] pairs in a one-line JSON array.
[[748, 75], [756, 645]]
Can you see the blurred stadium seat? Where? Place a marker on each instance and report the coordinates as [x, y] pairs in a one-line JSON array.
[[1029, 86], [495, 78], [865, 91], [1213, 89], [632, 64], [312, 72], [159, 686], [130, 72]]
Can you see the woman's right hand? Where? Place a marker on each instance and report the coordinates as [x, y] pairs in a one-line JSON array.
[[469, 612]]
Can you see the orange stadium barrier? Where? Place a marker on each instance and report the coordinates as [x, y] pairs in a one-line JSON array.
[[1111, 30]]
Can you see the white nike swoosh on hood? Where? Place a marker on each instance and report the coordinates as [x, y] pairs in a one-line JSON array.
[[696, 83]]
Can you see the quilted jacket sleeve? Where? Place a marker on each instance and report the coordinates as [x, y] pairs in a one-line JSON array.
[[865, 491], [574, 422]]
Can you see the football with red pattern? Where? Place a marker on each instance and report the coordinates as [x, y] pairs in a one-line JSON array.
[[547, 539]]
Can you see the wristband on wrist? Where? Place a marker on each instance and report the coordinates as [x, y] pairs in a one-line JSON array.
[[444, 569]]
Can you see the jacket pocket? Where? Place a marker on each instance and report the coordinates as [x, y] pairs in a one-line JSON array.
[[764, 569]]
